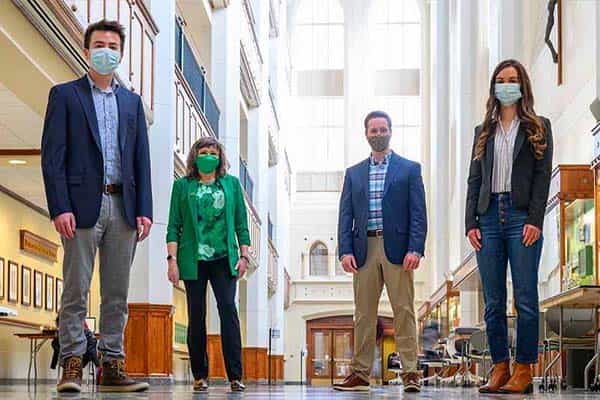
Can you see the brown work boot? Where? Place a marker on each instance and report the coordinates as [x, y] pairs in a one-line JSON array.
[[352, 383], [200, 385], [498, 378], [411, 381], [71, 376], [115, 379], [521, 381]]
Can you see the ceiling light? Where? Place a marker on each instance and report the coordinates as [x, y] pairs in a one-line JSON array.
[[17, 162]]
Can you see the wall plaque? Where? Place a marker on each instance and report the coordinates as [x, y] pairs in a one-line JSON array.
[[37, 245]]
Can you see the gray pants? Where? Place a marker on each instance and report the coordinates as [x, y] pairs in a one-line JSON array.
[[117, 242]]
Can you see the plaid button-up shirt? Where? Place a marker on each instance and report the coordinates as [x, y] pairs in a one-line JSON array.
[[377, 173]]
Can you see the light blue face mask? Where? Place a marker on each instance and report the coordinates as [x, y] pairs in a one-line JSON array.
[[104, 60], [508, 93]]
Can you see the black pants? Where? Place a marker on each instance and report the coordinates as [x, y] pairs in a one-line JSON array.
[[224, 286]]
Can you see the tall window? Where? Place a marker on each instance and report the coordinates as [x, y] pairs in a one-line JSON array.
[[338, 265], [398, 78], [318, 260], [318, 64]]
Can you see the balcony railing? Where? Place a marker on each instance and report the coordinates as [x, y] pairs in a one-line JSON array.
[[246, 180], [287, 289], [196, 80], [254, 226], [273, 273], [251, 57], [136, 70]]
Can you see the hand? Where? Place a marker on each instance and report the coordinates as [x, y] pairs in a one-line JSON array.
[[474, 236], [349, 264], [411, 262], [531, 234], [143, 227], [65, 225], [241, 267], [173, 273]]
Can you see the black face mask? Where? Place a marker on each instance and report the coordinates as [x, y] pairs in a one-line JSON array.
[[379, 143]]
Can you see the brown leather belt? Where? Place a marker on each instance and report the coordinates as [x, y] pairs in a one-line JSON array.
[[113, 188], [377, 233]]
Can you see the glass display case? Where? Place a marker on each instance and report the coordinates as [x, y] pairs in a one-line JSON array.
[[572, 208]]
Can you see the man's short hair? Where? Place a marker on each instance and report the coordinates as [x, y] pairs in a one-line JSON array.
[[378, 114], [104, 25]]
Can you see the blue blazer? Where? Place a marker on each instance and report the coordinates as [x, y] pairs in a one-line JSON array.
[[72, 163], [404, 211]]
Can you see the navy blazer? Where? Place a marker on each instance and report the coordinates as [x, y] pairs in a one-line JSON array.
[[404, 211], [72, 163]]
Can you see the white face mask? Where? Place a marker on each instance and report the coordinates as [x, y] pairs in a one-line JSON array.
[[104, 60], [508, 93]]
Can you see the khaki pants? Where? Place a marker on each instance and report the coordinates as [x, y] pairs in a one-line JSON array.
[[368, 284]]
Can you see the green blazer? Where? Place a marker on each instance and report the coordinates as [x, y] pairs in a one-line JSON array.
[[183, 228]]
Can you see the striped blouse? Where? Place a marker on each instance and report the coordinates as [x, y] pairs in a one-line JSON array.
[[504, 147]]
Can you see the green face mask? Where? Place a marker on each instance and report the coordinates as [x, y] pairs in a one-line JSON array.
[[207, 163]]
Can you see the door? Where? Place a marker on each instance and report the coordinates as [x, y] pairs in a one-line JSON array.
[[330, 355], [320, 354], [342, 353]]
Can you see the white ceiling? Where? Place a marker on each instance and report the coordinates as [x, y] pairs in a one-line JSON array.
[[20, 128]]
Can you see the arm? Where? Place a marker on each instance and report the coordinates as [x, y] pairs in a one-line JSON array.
[[241, 221], [541, 182], [54, 148], [142, 166], [346, 219], [473, 188], [418, 213]]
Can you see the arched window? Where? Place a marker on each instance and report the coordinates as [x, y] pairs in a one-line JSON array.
[[319, 265], [338, 265]]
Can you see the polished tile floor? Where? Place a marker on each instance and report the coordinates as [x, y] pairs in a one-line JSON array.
[[181, 392]]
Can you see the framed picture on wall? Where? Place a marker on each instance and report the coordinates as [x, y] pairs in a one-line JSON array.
[[13, 282], [49, 292], [1, 278], [25, 285], [59, 290], [38, 289]]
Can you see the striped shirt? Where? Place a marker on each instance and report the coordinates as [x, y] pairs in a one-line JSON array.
[[377, 173], [504, 147]]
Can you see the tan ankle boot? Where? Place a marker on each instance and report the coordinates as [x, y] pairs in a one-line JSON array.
[[521, 381], [498, 378]]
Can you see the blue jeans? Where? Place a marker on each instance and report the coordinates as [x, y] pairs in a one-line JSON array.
[[502, 241]]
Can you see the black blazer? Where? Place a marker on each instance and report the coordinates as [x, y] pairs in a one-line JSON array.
[[530, 179]]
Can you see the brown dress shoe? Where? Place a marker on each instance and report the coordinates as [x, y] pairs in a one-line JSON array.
[[115, 379], [71, 376], [352, 383], [411, 381], [521, 381], [498, 378]]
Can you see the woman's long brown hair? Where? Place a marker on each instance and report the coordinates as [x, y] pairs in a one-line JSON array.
[[532, 124], [206, 141]]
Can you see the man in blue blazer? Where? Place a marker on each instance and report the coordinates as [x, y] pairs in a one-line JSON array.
[[381, 234], [96, 168]]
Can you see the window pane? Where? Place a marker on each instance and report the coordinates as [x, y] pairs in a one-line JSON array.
[[136, 53], [319, 260], [148, 69], [125, 20], [112, 10], [96, 10]]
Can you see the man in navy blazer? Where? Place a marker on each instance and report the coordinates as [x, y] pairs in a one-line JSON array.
[[96, 168], [381, 239]]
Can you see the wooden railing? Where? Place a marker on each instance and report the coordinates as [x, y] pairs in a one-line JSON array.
[[273, 273], [137, 66], [190, 122]]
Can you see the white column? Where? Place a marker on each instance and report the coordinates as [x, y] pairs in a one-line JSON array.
[[465, 111], [440, 143], [469, 308], [225, 45], [358, 78], [257, 306], [149, 282], [506, 31]]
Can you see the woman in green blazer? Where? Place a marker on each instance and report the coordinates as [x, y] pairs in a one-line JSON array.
[[208, 240]]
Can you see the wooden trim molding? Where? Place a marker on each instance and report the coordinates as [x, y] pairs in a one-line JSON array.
[[216, 363], [255, 363], [23, 201], [149, 340], [19, 323], [277, 365], [20, 152]]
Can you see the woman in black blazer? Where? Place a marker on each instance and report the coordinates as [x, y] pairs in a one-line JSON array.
[[509, 180]]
